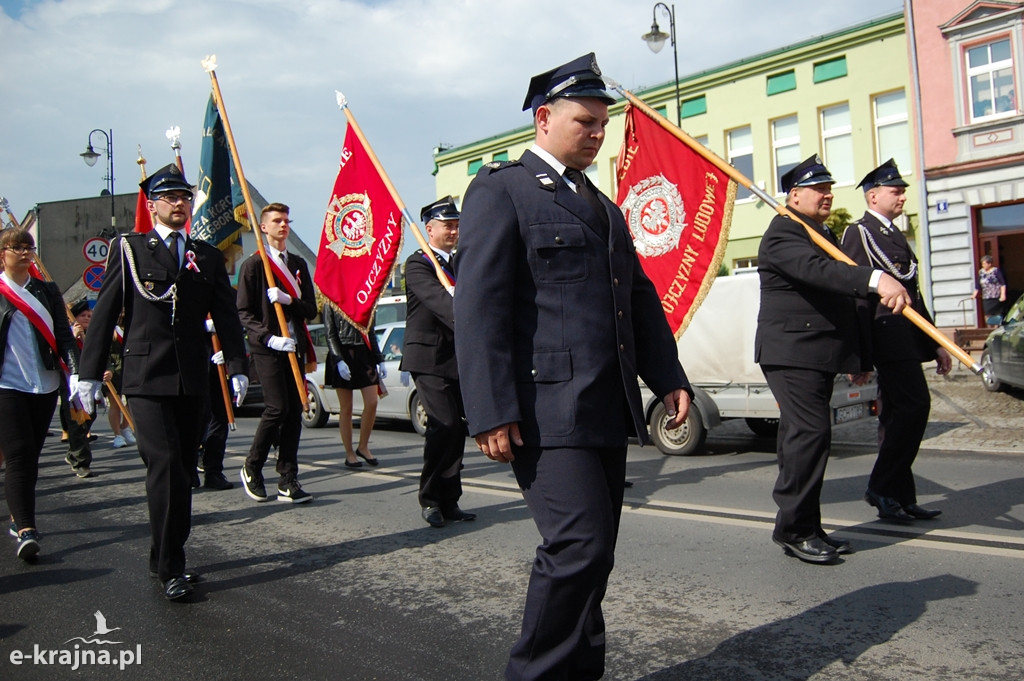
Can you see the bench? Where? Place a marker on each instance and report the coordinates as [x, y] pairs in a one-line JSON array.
[[971, 339]]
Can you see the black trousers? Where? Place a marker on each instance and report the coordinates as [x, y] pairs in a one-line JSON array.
[[905, 404], [168, 431], [281, 423], [25, 418], [79, 451], [215, 439], [445, 441], [802, 448], [575, 498]]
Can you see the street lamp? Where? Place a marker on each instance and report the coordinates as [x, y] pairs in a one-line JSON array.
[[90, 156], [656, 40]]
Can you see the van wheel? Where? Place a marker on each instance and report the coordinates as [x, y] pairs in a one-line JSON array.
[[988, 373], [418, 415], [685, 440], [317, 415], [763, 427]]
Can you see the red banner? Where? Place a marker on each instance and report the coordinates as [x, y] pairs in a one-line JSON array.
[[678, 207], [362, 236], [143, 218]]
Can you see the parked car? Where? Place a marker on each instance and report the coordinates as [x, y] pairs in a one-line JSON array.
[[401, 402], [1002, 360]]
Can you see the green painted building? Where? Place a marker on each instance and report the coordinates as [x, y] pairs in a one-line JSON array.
[[842, 95]]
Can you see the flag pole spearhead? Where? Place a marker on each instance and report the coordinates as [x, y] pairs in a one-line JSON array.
[[209, 63], [141, 160], [342, 102]]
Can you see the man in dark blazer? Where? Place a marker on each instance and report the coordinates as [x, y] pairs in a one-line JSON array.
[[167, 284], [429, 355], [281, 423], [554, 321], [897, 348], [807, 332]]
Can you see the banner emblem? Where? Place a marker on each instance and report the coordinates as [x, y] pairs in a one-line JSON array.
[[348, 225], [655, 214]]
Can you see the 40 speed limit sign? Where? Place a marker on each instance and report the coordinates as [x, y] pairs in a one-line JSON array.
[[95, 249]]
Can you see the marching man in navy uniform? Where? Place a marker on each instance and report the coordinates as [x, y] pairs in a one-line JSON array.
[[897, 348], [554, 321], [166, 284], [429, 355], [807, 332]]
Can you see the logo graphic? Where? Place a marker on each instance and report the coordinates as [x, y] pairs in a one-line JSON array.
[[348, 225], [655, 214], [101, 630]]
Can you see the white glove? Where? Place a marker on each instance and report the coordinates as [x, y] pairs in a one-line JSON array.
[[218, 357], [210, 327], [86, 390], [276, 295], [73, 385], [281, 344], [343, 370], [240, 384], [382, 370]]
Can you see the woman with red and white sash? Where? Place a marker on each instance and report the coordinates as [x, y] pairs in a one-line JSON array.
[[37, 350]]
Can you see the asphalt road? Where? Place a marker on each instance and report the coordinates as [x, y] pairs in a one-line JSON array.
[[356, 586]]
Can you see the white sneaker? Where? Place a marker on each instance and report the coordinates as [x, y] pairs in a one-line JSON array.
[[129, 436], [120, 441]]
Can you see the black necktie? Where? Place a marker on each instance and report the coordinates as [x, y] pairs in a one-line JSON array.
[[173, 248], [585, 192]]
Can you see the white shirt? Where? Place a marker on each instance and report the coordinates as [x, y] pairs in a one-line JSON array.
[[23, 368], [165, 233]]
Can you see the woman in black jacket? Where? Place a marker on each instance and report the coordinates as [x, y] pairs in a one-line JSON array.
[[36, 345]]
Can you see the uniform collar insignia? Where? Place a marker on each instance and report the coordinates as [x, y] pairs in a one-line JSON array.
[[545, 181]]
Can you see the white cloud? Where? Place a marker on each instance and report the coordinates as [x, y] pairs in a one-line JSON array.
[[416, 73]]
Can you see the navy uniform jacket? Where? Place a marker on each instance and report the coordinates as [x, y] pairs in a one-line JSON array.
[[429, 346], [553, 322], [257, 312], [893, 336], [161, 351], [808, 316]]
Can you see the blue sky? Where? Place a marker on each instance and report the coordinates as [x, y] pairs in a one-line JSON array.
[[417, 73]]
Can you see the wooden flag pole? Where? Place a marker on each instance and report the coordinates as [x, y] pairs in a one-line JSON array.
[[413, 225], [210, 64], [913, 315]]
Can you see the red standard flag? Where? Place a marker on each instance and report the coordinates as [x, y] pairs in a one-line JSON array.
[[362, 236], [143, 218], [678, 207]]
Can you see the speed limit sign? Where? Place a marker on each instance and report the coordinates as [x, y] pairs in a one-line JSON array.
[[95, 249]]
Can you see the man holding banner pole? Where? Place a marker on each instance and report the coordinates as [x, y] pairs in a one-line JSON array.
[[271, 347]]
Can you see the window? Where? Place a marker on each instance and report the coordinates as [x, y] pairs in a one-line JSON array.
[[990, 79], [741, 157], [742, 265], [694, 107], [500, 156], [593, 175], [474, 166], [785, 146], [781, 82], [892, 130], [837, 142], [702, 140], [830, 70]]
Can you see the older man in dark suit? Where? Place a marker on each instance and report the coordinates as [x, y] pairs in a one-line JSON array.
[[554, 320], [807, 332], [167, 284], [429, 355], [897, 348]]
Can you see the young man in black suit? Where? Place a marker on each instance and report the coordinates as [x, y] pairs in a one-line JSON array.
[[281, 423], [429, 355], [167, 284], [554, 321], [897, 348], [807, 332]]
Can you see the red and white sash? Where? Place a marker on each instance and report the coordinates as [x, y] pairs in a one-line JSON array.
[[37, 314], [290, 284]]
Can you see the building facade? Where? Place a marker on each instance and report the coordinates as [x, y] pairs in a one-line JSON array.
[[842, 95], [967, 59]]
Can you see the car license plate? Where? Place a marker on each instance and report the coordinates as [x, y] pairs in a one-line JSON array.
[[850, 412]]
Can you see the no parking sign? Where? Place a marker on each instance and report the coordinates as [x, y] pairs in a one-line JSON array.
[[93, 277]]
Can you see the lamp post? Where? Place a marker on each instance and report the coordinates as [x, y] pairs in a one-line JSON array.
[[656, 40], [90, 156]]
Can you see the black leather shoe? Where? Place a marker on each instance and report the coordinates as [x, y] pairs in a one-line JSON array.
[[190, 577], [457, 514], [921, 513], [177, 588], [841, 546], [888, 508], [217, 481], [813, 550], [433, 516]]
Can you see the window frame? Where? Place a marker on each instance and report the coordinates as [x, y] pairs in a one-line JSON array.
[[991, 68], [779, 144], [829, 134]]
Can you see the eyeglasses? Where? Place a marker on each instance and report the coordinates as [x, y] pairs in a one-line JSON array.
[[174, 199], [21, 250]]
